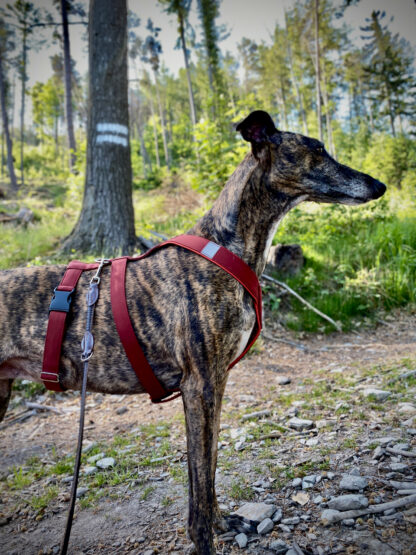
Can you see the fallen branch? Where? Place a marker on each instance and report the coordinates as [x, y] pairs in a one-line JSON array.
[[271, 435], [258, 414], [302, 300], [373, 509], [39, 406], [402, 485], [401, 452], [18, 419], [286, 341]]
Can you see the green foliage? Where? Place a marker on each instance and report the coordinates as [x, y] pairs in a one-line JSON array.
[[358, 261], [218, 157]]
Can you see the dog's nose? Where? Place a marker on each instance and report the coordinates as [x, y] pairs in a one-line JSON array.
[[379, 189]]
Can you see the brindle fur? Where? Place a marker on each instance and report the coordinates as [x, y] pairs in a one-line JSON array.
[[190, 316]]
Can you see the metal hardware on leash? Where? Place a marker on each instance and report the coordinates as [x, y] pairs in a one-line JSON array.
[[87, 346]]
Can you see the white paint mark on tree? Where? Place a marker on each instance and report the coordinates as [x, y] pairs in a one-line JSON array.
[[115, 139], [112, 133], [112, 128]]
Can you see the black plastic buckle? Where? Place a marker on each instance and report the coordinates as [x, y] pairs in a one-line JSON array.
[[61, 300]]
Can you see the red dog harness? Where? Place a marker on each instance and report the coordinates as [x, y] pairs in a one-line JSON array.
[[61, 301]]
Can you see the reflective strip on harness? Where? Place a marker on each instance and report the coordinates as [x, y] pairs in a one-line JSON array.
[[218, 255]]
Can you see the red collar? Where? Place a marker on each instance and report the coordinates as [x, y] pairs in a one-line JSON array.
[[60, 304]]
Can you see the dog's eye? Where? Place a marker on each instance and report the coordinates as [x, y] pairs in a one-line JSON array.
[[320, 150]]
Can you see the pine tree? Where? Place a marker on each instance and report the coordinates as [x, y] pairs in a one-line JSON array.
[[389, 69], [27, 17]]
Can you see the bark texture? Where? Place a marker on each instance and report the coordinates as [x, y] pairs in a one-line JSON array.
[[106, 223]]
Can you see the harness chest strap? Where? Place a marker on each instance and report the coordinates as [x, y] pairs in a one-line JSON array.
[[59, 308]]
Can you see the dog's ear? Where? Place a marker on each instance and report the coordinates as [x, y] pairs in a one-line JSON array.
[[257, 128]]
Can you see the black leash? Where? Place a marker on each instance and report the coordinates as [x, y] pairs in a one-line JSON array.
[[87, 346]]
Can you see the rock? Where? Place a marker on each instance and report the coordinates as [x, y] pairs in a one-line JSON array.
[[348, 522], [378, 452], [301, 497], [325, 423], [95, 458], [402, 446], [296, 482], [353, 483], [285, 529], [384, 440], [121, 410], [105, 463], [311, 442], [378, 394], [291, 521], [277, 517], [279, 547], [318, 499], [300, 424], [406, 408], [348, 502], [241, 540], [283, 380], [309, 481], [286, 259], [81, 492], [329, 516], [294, 551], [240, 445], [256, 512], [265, 526], [398, 467], [88, 470]]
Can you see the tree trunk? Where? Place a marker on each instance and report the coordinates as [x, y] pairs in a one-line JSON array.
[[318, 73], [22, 106], [331, 145], [106, 224], [390, 107], [162, 121], [188, 72], [6, 133], [297, 89], [68, 87], [152, 111]]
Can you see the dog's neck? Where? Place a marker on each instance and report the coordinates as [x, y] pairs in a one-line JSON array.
[[245, 216]]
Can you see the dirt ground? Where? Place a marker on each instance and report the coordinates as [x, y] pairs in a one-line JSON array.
[[146, 513]]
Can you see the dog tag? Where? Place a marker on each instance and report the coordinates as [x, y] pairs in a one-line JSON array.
[[92, 294]]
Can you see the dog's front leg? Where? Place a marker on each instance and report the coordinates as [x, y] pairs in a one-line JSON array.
[[5, 394], [202, 398]]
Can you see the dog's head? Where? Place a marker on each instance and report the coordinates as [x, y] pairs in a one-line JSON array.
[[299, 166]]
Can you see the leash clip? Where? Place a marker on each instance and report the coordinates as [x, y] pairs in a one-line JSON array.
[[103, 262]]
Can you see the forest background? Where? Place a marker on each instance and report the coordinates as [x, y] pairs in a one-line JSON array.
[[352, 86]]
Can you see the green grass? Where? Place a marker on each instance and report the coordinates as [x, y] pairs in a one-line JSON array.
[[359, 261]]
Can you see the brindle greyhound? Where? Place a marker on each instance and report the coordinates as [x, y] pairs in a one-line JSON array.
[[191, 317]]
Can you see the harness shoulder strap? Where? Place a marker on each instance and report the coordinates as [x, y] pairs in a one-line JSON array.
[[58, 312], [234, 266]]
